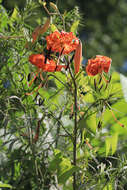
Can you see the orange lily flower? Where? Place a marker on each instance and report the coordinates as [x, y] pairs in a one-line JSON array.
[[64, 42], [98, 65], [50, 66]]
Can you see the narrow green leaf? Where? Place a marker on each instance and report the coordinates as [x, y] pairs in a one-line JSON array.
[[111, 143], [108, 145], [74, 26], [45, 93], [14, 15], [62, 79], [5, 185], [108, 187], [114, 141]]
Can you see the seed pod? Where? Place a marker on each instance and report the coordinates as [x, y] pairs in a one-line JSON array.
[[78, 58]]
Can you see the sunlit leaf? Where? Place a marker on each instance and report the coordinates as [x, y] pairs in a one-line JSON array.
[[53, 28], [75, 26], [5, 185], [67, 174], [54, 164], [108, 187], [108, 145], [91, 123], [114, 142], [111, 143], [15, 14], [60, 80]]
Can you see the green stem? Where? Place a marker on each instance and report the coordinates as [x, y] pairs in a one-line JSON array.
[[75, 136], [75, 129]]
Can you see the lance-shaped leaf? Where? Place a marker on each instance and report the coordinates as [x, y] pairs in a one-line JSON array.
[[78, 58], [40, 30], [15, 14], [74, 26]]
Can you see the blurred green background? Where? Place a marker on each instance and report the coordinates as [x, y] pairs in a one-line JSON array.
[[103, 28]]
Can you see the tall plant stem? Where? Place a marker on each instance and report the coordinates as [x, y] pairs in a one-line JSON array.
[[75, 129], [75, 135]]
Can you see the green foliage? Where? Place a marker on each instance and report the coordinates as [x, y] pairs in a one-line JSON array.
[[63, 167]]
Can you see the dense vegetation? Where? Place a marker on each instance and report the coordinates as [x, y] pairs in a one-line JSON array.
[[62, 130]]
